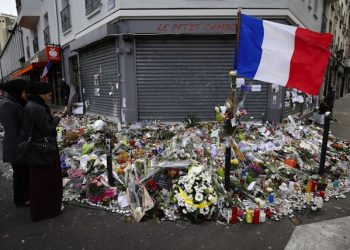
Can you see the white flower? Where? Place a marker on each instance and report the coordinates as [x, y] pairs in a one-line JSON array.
[[199, 197], [184, 211], [189, 189]]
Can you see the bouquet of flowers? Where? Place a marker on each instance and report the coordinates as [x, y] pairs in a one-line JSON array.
[[195, 195]]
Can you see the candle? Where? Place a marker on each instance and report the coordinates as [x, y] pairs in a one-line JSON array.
[[308, 197], [249, 216], [271, 198], [291, 186], [314, 207], [313, 185], [319, 202], [234, 215], [256, 216], [308, 187], [262, 218], [322, 194]]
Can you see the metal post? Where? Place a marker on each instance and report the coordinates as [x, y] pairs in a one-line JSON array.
[[227, 156], [109, 160], [328, 117]]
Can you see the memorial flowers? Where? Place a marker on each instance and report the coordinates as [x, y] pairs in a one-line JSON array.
[[195, 195]]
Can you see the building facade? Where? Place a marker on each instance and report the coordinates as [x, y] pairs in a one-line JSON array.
[[141, 60], [6, 23], [38, 20], [336, 20], [12, 56]]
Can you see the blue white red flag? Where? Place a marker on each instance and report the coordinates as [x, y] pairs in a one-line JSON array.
[[46, 69], [282, 54]]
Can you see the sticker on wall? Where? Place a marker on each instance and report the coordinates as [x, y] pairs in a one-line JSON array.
[[256, 88], [240, 82], [97, 91], [97, 79]]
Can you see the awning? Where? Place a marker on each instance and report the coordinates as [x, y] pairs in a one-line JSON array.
[[30, 67]]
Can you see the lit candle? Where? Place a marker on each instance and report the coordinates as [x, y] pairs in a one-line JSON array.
[[262, 218], [291, 186], [319, 202], [234, 215], [313, 185], [256, 216], [322, 194], [308, 187], [249, 215], [308, 197]]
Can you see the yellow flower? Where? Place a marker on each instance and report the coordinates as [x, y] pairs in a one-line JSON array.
[[234, 162]]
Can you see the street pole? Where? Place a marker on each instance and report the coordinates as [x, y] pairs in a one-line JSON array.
[[109, 159], [328, 117], [230, 121]]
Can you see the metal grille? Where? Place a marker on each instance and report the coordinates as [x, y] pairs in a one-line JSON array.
[[65, 19], [46, 32], [181, 77], [102, 60], [91, 5]]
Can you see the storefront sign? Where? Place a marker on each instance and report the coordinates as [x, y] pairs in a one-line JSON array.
[[53, 53], [183, 26]]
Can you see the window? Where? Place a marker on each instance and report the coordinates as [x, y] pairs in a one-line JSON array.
[[92, 6], [65, 19], [46, 30]]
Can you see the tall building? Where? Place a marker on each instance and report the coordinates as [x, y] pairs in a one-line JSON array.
[[336, 20], [6, 23]]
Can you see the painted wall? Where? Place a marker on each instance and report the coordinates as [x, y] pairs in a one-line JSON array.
[[296, 11]]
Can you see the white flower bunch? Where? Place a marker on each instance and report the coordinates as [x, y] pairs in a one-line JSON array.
[[194, 192]]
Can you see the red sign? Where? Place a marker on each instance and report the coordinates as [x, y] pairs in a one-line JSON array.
[[53, 53]]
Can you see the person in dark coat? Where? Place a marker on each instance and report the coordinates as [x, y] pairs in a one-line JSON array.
[[45, 182], [11, 116]]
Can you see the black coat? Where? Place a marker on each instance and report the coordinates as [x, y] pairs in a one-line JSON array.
[[37, 120], [11, 115]]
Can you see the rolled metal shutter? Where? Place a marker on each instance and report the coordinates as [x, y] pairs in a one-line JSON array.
[[179, 77], [100, 59]]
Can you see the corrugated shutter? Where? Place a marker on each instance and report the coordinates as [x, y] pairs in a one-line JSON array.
[[178, 77], [256, 102], [100, 59]]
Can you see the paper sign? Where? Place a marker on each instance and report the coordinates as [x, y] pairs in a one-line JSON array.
[[78, 108], [240, 82], [256, 88]]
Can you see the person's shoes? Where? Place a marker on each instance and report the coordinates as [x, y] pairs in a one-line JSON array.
[[62, 207]]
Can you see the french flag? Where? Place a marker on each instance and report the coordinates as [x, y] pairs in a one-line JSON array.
[[46, 69], [282, 54]]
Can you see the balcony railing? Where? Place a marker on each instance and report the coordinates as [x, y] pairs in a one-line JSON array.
[[91, 6], [35, 44], [46, 32], [65, 19]]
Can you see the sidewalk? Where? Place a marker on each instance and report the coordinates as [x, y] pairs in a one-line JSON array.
[[82, 228], [341, 128]]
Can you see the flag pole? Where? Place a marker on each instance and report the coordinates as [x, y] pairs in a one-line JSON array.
[[230, 104]]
